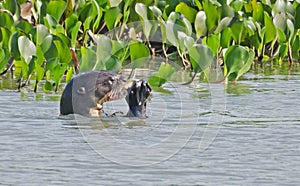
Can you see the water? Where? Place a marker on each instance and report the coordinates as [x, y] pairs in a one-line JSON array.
[[253, 137]]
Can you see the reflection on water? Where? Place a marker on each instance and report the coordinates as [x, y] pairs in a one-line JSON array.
[[257, 142]]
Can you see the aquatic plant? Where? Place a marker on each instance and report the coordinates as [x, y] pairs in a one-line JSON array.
[[46, 40]]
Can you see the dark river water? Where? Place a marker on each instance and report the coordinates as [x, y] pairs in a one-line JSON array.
[[203, 134]]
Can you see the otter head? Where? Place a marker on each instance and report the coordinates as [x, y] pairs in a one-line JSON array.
[[138, 96], [86, 93]]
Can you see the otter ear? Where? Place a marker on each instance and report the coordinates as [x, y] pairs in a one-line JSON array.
[[81, 91]]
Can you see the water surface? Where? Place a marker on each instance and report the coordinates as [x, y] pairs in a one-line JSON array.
[[257, 138]]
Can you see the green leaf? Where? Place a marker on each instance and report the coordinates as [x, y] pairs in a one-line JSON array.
[[237, 5], [104, 47], [270, 29], [71, 22], [88, 59], [225, 38], [6, 20], [247, 65], [56, 9], [187, 11], [111, 16], [201, 57], [213, 42], [64, 53], [114, 3], [172, 28], [58, 72], [5, 36], [74, 34], [24, 26], [200, 24], [48, 86], [238, 60], [291, 29], [120, 49], [237, 31], [69, 74], [258, 11], [212, 15], [142, 11], [4, 56], [26, 47], [138, 53], [113, 64], [14, 46], [164, 73], [280, 21]]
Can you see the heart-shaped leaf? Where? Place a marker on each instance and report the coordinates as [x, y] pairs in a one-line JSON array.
[[164, 73], [26, 47], [139, 53]]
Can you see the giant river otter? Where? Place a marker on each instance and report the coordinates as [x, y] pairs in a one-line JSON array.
[[86, 93]]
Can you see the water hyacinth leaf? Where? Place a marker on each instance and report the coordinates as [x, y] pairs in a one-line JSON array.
[[291, 28], [111, 16], [56, 9], [187, 11], [171, 29], [13, 46], [26, 47], [69, 8], [279, 21], [156, 11], [64, 53], [52, 52], [48, 86], [200, 24], [236, 57], [225, 38], [113, 64], [188, 26], [4, 56], [104, 47], [51, 64], [163, 29], [69, 74], [74, 34], [58, 72], [237, 5], [114, 3], [181, 38], [201, 57], [11, 5], [212, 15], [247, 65], [271, 30], [281, 36], [142, 11], [164, 73], [213, 42], [88, 59], [297, 16], [283, 50], [237, 31], [44, 38], [139, 53], [6, 20], [120, 49], [5, 36], [24, 26], [189, 42], [224, 23], [258, 11], [71, 22]]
